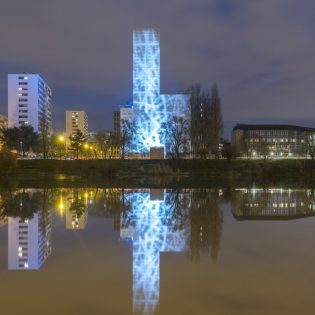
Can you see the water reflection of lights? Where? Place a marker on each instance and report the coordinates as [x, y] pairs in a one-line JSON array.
[[150, 224]]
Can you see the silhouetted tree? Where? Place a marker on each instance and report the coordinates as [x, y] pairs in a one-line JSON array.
[[175, 134], [127, 131], [215, 120], [76, 142]]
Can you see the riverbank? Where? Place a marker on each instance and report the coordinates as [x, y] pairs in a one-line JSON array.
[[179, 173]]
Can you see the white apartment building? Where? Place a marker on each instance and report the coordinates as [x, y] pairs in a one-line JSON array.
[[29, 102], [76, 120]]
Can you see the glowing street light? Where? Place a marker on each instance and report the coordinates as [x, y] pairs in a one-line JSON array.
[[61, 138]]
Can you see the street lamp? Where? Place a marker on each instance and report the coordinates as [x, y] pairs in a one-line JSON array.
[[61, 141]]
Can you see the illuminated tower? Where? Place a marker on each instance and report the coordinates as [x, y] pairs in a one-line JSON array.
[[151, 109]]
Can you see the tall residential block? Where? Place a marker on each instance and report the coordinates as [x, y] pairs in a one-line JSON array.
[[29, 102], [76, 120]]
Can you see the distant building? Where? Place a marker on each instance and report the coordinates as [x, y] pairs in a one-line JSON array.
[[126, 112], [29, 102], [3, 121], [272, 140], [76, 120], [29, 241], [74, 221]]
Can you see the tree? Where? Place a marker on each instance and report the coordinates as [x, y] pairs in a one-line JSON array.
[[127, 132], [77, 140], [77, 206], [215, 120], [22, 139], [44, 137], [175, 134], [57, 146], [102, 141], [311, 146], [10, 138], [199, 120], [206, 220], [206, 125]]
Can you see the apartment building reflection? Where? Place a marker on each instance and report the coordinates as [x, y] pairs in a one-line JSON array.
[[77, 209], [153, 229], [29, 241], [273, 204]]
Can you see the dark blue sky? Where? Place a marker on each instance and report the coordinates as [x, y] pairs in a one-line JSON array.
[[261, 53]]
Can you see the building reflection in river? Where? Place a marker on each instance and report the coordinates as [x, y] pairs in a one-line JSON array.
[[153, 229], [273, 204], [29, 235]]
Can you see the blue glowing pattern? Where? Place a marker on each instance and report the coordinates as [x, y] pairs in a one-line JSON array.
[[153, 228], [151, 109]]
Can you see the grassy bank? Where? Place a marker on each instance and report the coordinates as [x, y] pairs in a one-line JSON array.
[[165, 172]]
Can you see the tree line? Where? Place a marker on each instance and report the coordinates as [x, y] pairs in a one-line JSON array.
[[197, 135]]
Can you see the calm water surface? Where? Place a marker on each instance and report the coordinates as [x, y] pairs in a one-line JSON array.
[[157, 251]]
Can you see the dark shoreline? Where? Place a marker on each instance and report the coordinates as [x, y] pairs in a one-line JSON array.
[[162, 173]]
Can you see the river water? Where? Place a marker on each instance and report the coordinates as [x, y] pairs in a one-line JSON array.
[[245, 250]]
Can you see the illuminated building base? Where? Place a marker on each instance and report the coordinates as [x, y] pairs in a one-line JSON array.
[[157, 153]]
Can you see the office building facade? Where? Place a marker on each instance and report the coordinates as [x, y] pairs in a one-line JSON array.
[[272, 140], [76, 120], [29, 102]]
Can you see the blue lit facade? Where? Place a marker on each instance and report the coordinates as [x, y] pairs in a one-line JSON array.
[[153, 228], [150, 108]]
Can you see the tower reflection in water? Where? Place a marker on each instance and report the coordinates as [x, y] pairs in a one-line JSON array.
[[151, 225], [29, 232]]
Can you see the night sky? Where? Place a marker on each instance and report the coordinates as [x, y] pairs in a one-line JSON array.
[[261, 54]]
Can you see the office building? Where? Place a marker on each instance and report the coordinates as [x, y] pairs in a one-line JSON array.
[[272, 140], [29, 241], [29, 102], [76, 120]]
